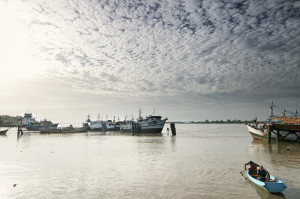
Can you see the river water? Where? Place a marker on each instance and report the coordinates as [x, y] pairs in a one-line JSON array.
[[201, 161]]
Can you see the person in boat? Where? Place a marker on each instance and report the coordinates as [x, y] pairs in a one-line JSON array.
[[263, 174], [252, 168]]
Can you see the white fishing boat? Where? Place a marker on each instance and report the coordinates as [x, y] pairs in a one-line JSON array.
[[109, 125], [94, 125], [28, 119], [259, 133], [126, 126], [282, 128]]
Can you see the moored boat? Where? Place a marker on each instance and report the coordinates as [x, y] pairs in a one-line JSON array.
[[259, 133], [70, 129], [3, 132], [28, 119], [110, 125], [94, 125], [126, 126], [37, 126], [281, 128], [274, 186], [152, 124]]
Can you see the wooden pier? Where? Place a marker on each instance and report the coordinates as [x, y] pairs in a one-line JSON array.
[[135, 128], [283, 131]]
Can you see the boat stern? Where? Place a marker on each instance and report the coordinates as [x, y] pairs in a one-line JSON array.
[[275, 187]]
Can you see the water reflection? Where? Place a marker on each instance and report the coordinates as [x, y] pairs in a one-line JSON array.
[[281, 154]]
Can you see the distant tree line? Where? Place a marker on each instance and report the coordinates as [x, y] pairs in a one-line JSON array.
[[9, 121], [228, 121]]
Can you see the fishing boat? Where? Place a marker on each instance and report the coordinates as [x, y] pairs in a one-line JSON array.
[[282, 128], [94, 125], [69, 129], [259, 133], [37, 126], [28, 119], [274, 186], [3, 132], [110, 125], [126, 126], [152, 124]]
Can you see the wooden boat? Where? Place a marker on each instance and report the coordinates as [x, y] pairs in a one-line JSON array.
[[282, 128], [3, 132], [259, 133], [274, 186], [70, 129]]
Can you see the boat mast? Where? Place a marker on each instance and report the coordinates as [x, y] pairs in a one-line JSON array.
[[140, 113], [271, 116]]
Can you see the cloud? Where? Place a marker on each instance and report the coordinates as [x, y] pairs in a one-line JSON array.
[[239, 48]]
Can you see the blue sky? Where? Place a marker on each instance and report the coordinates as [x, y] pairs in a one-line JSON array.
[[190, 60]]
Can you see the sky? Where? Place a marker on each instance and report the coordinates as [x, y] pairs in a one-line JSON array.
[[187, 60]]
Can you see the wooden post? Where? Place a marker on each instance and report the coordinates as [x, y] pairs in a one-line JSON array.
[[132, 128], [173, 129], [20, 131], [104, 127], [135, 128], [278, 136], [269, 134]]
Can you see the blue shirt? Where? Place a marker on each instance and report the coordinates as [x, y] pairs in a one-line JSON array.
[[262, 173]]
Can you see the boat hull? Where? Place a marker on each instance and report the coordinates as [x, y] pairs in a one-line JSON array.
[[258, 134], [276, 186], [38, 128], [152, 130], [261, 134], [3, 132], [152, 124], [64, 130]]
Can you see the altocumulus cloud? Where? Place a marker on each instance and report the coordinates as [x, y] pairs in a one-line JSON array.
[[157, 48]]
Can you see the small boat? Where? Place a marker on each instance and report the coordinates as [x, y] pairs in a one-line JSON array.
[[3, 132], [70, 129], [274, 186]]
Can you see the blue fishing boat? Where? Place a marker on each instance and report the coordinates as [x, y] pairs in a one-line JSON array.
[[274, 186]]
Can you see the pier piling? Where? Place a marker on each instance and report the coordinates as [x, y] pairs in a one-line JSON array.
[[173, 129], [20, 131], [135, 128], [104, 128], [269, 134], [278, 136]]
